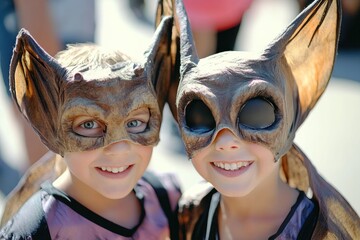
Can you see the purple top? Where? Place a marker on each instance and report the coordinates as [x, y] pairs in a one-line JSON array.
[[296, 218], [68, 219]]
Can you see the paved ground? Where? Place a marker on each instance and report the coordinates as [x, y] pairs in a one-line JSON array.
[[330, 135]]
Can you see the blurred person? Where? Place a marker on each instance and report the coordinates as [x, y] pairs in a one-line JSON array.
[[215, 24], [54, 24]]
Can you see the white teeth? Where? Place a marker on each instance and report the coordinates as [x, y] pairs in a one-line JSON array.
[[114, 170], [227, 166], [231, 166]]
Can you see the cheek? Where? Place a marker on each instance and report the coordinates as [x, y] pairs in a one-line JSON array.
[[79, 160], [265, 158], [200, 164], [145, 152], [262, 153], [77, 168]]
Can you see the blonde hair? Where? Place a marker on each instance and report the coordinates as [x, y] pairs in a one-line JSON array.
[[89, 55]]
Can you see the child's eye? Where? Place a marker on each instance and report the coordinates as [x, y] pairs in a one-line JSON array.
[[136, 126], [134, 123], [88, 127]]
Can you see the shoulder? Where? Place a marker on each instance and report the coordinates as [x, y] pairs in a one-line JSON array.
[[192, 205], [300, 221], [163, 183], [29, 222], [160, 194], [310, 210]]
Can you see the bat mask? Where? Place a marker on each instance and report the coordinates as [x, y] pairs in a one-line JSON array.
[[88, 81], [264, 98]]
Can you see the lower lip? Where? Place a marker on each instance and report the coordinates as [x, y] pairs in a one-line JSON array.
[[114, 175], [231, 173]]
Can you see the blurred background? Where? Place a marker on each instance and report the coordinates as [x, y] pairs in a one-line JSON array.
[[330, 136]]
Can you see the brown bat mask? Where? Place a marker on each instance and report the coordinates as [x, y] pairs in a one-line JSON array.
[[264, 98], [51, 93], [86, 79]]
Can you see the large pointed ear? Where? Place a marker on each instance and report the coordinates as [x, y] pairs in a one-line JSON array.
[[188, 55], [159, 62], [165, 9], [309, 47], [163, 56], [34, 84], [182, 46]]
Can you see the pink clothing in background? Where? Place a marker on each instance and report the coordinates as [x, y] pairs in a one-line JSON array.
[[215, 14]]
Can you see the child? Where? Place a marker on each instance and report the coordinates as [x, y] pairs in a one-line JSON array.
[[238, 114], [99, 111]]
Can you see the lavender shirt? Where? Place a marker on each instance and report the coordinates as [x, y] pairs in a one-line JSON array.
[[289, 229], [68, 219], [296, 218]]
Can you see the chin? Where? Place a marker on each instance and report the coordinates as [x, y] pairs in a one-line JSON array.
[[115, 193], [233, 191], [119, 195]]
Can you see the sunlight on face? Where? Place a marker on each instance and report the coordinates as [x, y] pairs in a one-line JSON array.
[[111, 171], [235, 167]]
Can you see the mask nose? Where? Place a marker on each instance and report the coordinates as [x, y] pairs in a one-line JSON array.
[[120, 147], [225, 140]]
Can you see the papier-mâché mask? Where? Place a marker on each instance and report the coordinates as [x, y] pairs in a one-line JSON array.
[[103, 85], [260, 97]]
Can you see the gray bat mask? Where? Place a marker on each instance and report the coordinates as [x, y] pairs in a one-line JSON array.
[[264, 98]]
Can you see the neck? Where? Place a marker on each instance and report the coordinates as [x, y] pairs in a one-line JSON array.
[[99, 204], [265, 199], [257, 215]]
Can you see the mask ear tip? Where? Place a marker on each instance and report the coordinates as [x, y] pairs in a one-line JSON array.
[[23, 31], [23, 35]]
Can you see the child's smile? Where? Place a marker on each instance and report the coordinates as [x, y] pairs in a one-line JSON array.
[[234, 166], [115, 169], [231, 169], [115, 172]]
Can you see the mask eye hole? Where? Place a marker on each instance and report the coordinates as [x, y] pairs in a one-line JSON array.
[[257, 113], [88, 127], [198, 117]]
